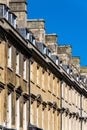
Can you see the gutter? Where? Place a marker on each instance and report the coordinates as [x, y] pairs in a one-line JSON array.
[[29, 95], [61, 104], [81, 109]]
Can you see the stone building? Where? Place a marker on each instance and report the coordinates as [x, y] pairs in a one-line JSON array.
[[42, 86]]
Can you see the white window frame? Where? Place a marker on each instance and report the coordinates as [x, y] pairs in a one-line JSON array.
[[34, 41], [25, 69], [9, 56], [43, 118], [17, 63], [38, 70], [9, 110], [24, 116], [43, 78], [17, 121]]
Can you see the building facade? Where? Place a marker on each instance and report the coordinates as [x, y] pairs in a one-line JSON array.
[[42, 86]]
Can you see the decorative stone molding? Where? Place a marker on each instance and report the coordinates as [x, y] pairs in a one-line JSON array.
[[54, 106], [85, 119], [49, 105], [67, 111], [25, 96], [70, 115], [77, 115], [39, 100], [1, 86], [81, 118], [73, 114], [33, 98], [18, 91], [10, 87], [59, 110], [62, 110], [44, 105]]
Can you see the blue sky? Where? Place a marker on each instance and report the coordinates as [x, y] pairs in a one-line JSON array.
[[66, 18]]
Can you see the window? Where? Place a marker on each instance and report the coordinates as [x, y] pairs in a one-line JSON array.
[[17, 63], [25, 69], [5, 12], [9, 110], [24, 116], [38, 74], [44, 49], [33, 40], [10, 56], [32, 71], [12, 19], [43, 76], [17, 120]]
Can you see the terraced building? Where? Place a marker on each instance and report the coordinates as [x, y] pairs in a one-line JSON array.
[[42, 86]]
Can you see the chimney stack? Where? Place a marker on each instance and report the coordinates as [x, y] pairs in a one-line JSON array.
[[64, 53], [75, 61], [83, 70], [36, 26], [51, 42], [19, 8], [6, 2]]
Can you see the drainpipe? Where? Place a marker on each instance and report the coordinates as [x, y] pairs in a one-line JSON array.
[[29, 93], [61, 104], [81, 109]]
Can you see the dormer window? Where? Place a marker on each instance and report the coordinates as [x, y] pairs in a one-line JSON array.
[[44, 49], [4, 11], [33, 41], [48, 53], [55, 59], [77, 77], [23, 31], [12, 19], [68, 70], [30, 37]]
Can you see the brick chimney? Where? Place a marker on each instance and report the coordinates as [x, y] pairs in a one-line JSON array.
[[51, 42], [19, 8], [64, 53], [36, 26]]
